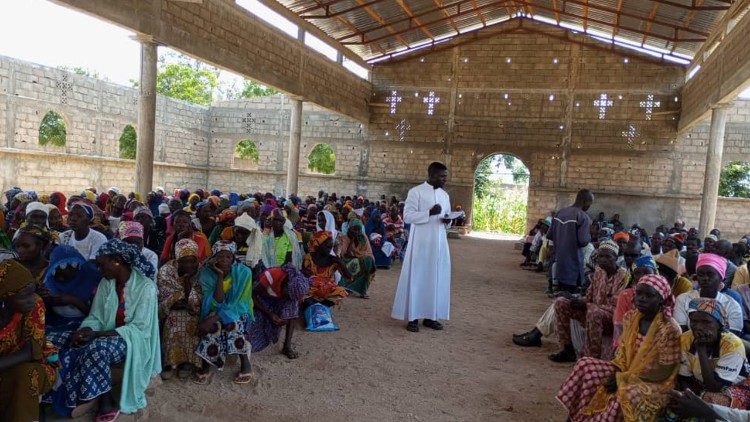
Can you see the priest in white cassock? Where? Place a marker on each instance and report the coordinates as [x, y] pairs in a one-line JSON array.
[[424, 287]]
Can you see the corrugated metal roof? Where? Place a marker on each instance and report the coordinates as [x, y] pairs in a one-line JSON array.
[[377, 28]]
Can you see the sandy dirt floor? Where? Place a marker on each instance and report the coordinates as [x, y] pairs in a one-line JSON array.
[[374, 370]]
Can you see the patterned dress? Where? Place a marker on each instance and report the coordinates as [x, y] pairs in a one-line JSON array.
[[654, 357], [21, 385], [179, 337], [323, 281]]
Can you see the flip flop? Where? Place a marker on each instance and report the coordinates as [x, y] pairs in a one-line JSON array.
[[107, 417], [202, 378], [245, 377]]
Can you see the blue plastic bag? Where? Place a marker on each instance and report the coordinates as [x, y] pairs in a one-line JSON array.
[[319, 318]]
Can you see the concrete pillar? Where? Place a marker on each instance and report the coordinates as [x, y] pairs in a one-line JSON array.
[[144, 156], [713, 168], [295, 138]]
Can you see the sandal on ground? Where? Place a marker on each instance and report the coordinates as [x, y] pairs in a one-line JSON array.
[[202, 378], [107, 417], [290, 353], [413, 326], [563, 356], [430, 323], [364, 296], [245, 377], [85, 408]]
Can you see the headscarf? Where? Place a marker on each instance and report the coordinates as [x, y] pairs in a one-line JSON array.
[[371, 225], [185, 247], [273, 280], [86, 208], [713, 237], [130, 254], [59, 197], [661, 285], [11, 193], [609, 245], [608, 233], [670, 259], [714, 261], [38, 232], [645, 262], [37, 206], [14, 277], [91, 196], [214, 200], [142, 209], [318, 238], [224, 245], [234, 199], [102, 201], [85, 280], [226, 216], [114, 189], [330, 224], [621, 236], [254, 240], [22, 197], [712, 307], [130, 229]]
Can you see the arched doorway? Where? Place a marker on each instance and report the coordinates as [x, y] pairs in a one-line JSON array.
[[500, 196]]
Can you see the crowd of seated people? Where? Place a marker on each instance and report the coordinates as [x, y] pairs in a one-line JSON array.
[[99, 284], [662, 323]]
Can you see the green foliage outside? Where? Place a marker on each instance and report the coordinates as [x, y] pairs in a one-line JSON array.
[[496, 208], [52, 130], [735, 180], [128, 142], [247, 150], [83, 71], [183, 82], [500, 210], [322, 159], [254, 89]]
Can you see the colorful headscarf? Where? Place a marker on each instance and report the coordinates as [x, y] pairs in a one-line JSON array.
[[224, 245], [661, 285], [38, 232], [645, 262], [609, 245], [185, 247], [712, 307], [22, 197], [318, 238], [130, 229], [130, 254], [14, 277], [273, 280], [91, 196], [670, 259], [714, 261], [142, 209], [61, 200], [621, 236], [226, 216], [213, 200]]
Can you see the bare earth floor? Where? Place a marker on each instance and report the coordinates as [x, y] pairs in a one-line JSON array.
[[374, 370]]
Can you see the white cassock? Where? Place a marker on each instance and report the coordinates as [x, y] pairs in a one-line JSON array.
[[424, 287]]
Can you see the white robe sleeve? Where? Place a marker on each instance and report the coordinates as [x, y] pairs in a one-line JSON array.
[[412, 214]]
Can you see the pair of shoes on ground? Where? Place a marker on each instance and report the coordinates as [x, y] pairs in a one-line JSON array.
[[413, 326], [528, 339]]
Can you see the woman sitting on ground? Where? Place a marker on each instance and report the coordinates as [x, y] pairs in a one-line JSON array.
[[709, 348], [280, 243], [70, 283], [122, 327], [357, 256], [183, 229], [642, 266], [180, 299], [276, 298], [27, 367], [327, 222], [382, 249], [634, 386], [249, 239], [226, 309], [31, 245], [321, 267], [224, 224], [80, 235]]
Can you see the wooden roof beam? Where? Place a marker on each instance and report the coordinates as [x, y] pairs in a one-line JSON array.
[[618, 12], [376, 16], [329, 15], [409, 13], [650, 23], [693, 6], [479, 14], [442, 8]]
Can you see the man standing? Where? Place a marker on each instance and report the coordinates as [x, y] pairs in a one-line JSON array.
[[425, 284], [570, 232]]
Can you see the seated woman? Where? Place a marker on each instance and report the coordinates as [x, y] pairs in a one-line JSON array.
[[183, 229], [122, 327], [642, 266], [636, 383], [249, 239], [280, 243], [276, 299], [180, 299], [321, 267], [26, 358], [382, 249], [327, 222], [713, 359], [357, 256], [394, 228], [224, 223], [226, 309], [31, 245]]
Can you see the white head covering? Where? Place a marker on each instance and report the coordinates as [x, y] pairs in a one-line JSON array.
[[330, 224], [114, 189], [163, 209], [254, 241], [37, 206]]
